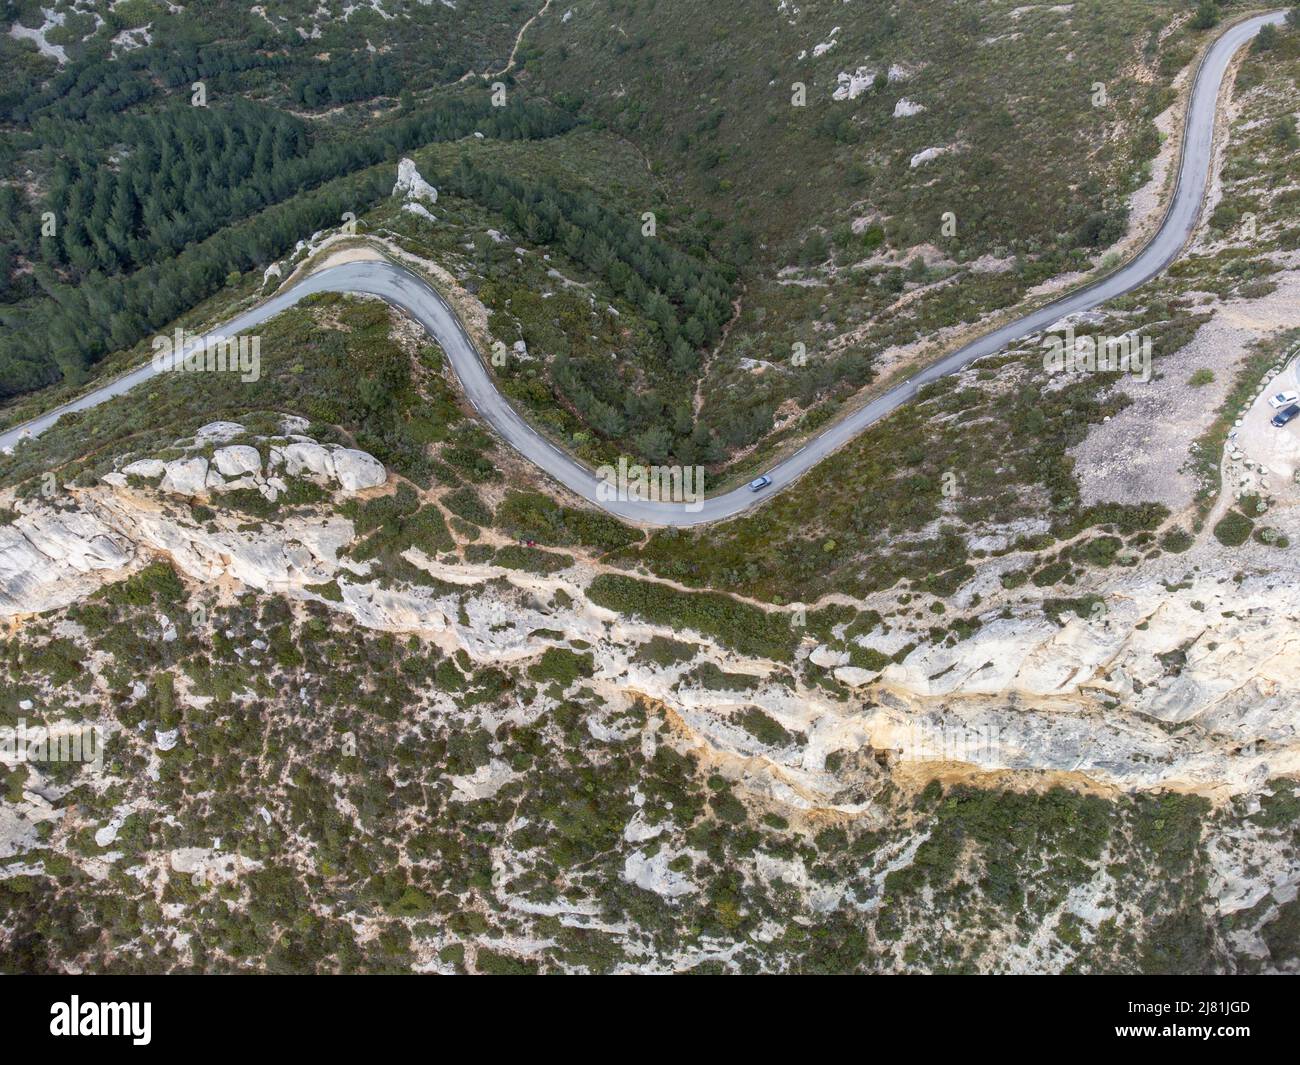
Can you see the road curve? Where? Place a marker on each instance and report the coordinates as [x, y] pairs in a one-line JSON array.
[[418, 299]]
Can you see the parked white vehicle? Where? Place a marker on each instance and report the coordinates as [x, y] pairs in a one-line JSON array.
[[1283, 399]]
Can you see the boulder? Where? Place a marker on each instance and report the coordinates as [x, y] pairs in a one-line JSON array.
[[357, 470], [218, 432], [186, 477], [145, 468], [238, 459], [420, 210], [312, 458], [825, 658]]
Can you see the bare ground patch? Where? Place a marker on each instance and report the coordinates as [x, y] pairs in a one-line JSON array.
[[1139, 455]]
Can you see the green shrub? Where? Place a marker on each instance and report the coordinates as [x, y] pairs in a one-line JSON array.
[[1014, 579], [562, 666], [513, 556], [740, 626], [491, 963], [399, 523], [157, 583], [665, 651], [533, 516], [867, 658], [709, 676], [765, 729], [465, 503], [1053, 573], [1233, 529]]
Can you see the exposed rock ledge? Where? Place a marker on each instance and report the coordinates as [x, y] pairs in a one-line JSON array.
[[52, 555]]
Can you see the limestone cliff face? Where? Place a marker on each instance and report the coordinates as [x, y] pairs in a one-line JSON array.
[[60, 550], [1185, 678], [1216, 656], [50, 558]]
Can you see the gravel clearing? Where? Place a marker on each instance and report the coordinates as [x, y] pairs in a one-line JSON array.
[[1139, 454]]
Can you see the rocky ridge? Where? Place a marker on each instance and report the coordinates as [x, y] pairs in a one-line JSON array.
[[1183, 679]]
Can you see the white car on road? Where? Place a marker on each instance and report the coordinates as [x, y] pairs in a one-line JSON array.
[[1283, 399]]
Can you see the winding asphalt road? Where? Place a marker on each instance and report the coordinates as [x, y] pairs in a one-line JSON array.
[[414, 296]]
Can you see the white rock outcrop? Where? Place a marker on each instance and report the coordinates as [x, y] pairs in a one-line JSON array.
[[67, 549], [653, 874], [237, 460], [419, 210], [49, 560], [303, 457], [149, 468], [851, 85], [411, 185], [357, 471], [218, 432], [483, 783], [929, 155], [240, 465], [186, 477]]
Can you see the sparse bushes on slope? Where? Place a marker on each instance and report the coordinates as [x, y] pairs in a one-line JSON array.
[[740, 626]]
